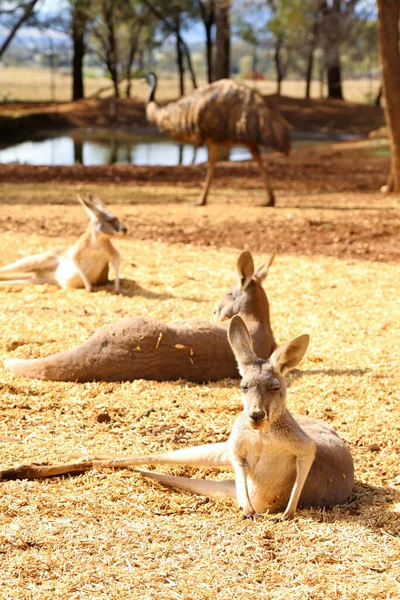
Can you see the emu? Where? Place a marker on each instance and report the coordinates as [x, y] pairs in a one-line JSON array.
[[224, 112]]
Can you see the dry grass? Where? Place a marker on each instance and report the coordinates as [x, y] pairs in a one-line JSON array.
[[112, 535], [22, 83]]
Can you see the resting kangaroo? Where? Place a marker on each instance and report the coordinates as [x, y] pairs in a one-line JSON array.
[[83, 265], [142, 348], [280, 461]]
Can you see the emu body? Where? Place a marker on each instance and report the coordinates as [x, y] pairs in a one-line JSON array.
[[222, 113], [143, 348]]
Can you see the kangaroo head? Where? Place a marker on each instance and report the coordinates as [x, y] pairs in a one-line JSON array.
[[263, 381], [241, 297], [103, 221]]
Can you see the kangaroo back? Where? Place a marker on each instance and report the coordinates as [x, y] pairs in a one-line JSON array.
[[142, 348]]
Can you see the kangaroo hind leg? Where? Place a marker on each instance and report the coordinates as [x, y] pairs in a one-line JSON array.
[[27, 281], [46, 261], [201, 487]]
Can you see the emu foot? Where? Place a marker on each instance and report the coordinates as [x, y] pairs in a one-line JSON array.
[[200, 202]]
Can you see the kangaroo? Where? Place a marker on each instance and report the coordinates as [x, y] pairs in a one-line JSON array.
[[280, 461], [143, 348], [85, 264]]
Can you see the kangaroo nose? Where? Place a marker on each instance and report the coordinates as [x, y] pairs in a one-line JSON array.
[[256, 415], [123, 229]]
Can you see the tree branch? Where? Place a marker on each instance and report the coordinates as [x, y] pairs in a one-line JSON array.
[[27, 13]]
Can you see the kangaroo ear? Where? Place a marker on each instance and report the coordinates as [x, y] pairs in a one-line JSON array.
[[95, 201], [89, 208], [288, 356], [245, 267], [262, 271], [241, 343]]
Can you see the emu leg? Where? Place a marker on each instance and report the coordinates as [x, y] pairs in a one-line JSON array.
[[212, 161], [257, 157]]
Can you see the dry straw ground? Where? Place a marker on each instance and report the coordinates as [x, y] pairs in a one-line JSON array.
[[112, 535]]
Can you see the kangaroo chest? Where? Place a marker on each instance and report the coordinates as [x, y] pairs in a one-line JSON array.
[[92, 262], [271, 472]]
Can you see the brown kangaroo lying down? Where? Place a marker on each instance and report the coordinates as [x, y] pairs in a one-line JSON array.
[[142, 348], [280, 461]]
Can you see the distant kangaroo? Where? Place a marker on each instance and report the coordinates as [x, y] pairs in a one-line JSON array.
[[142, 348], [280, 461], [84, 264]]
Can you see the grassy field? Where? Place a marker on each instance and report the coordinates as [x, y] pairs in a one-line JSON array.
[[35, 85], [110, 534]]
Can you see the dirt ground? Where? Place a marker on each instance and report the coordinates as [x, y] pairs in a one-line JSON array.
[[328, 202], [110, 534]]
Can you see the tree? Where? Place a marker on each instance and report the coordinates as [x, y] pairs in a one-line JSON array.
[[116, 32], [172, 19], [17, 13], [222, 39], [206, 10], [388, 35], [79, 21]]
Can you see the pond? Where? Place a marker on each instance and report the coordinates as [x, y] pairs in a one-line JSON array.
[[99, 147]]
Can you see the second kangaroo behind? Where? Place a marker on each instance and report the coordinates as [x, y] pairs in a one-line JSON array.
[[280, 461], [85, 264], [143, 348]]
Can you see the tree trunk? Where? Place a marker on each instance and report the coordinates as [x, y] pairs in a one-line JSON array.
[[222, 40], [388, 35], [209, 48], [181, 68], [378, 98], [334, 77], [111, 49], [278, 64], [207, 13], [131, 58], [332, 31], [186, 52], [310, 57], [78, 34]]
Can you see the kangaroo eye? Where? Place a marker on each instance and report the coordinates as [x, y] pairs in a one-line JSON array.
[[276, 388], [244, 388]]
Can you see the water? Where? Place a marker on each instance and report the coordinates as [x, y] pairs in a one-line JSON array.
[[99, 147], [92, 149]]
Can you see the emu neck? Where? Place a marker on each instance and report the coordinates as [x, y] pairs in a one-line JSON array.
[[152, 93]]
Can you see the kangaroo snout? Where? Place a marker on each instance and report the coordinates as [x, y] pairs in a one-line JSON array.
[[123, 230], [256, 416]]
